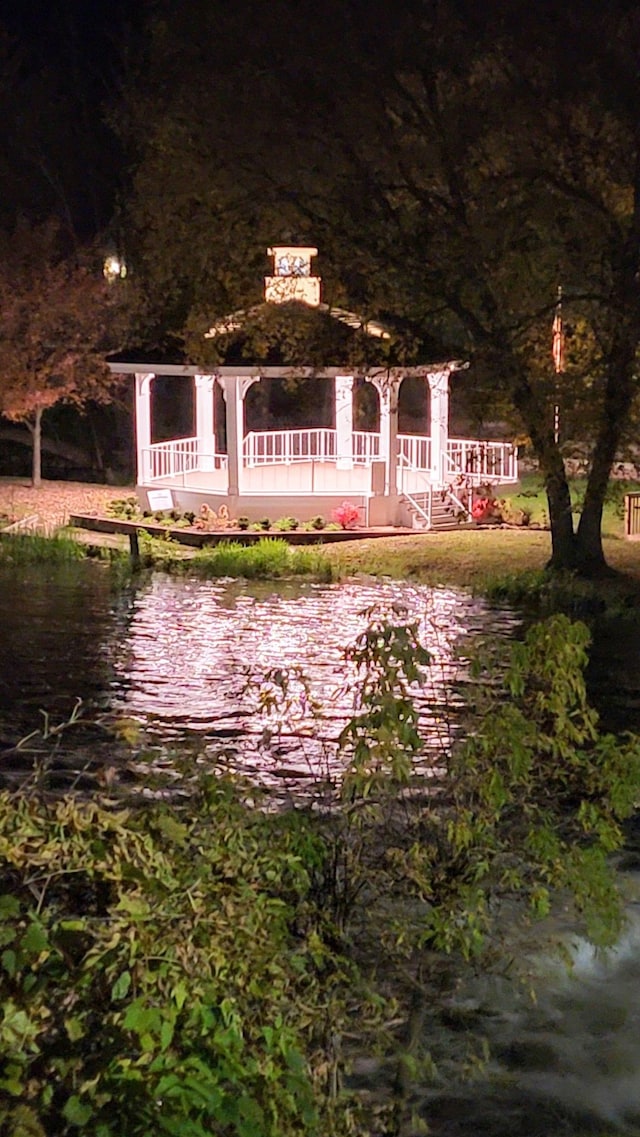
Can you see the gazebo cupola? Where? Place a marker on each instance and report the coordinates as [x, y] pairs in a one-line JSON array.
[[292, 278]]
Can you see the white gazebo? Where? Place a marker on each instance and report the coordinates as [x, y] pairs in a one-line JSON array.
[[394, 479]]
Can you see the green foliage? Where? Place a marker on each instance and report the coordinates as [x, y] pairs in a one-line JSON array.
[[22, 549], [152, 977], [124, 507], [261, 560], [382, 739], [529, 805], [539, 792], [548, 592]]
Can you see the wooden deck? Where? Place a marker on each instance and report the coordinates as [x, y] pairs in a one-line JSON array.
[[200, 538]]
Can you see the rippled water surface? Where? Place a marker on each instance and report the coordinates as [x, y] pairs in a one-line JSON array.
[[187, 658]]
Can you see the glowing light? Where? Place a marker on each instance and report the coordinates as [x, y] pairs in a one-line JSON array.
[[114, 268]]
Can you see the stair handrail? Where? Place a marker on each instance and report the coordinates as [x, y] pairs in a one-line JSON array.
[[404, 463], [453, 497]]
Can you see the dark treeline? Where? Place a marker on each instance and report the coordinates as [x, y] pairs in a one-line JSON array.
[[453, 165]]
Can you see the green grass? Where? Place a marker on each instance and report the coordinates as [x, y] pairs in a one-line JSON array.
[[472, 558], [26, 548], [529, 495], [263, 560]]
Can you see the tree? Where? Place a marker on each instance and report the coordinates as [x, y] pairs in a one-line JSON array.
[[58, 319], [455, 165]]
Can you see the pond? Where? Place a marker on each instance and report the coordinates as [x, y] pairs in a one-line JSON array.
[[186, 658]]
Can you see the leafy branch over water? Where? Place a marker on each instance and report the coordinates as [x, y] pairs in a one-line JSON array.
[[196, 967]]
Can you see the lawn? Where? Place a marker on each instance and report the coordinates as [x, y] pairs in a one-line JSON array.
[[471, 558]]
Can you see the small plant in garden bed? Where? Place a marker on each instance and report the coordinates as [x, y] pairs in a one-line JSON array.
[[347, 515], [286, 524], [125, 507]]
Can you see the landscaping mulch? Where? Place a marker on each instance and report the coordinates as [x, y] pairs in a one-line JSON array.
[[54, 502]]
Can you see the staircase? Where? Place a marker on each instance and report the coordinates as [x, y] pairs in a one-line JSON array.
[[438, 516]]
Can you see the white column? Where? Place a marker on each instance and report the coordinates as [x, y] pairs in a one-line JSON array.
[[388, 387], [143, 427], [232, 391], [205, 427], [439, 390], [344, 421]]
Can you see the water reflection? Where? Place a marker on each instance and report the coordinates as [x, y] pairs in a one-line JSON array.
[[185, 658], [198, 651]]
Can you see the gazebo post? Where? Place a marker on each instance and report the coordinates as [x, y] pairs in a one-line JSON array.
[[439, 390], [344, 421], [234, 389], [233, 397], [143, 426], [205, 424], [388, 389]]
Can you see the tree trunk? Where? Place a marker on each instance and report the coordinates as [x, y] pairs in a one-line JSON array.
[[532, 412], [563, 540], [36, 437], [620, 390]]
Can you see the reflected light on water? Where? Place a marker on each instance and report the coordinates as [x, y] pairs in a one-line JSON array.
[[198, 652]]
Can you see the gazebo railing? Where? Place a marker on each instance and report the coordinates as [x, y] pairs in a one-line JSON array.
[[482, 461], [271, 447], [366, 447], [415, 450], [178, 456], [478, 461]]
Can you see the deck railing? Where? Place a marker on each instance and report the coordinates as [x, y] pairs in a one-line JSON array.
[[366, 447], [415, 449], [478, 461], [179, 456], [269, 447], [482, 461], [632, 515], [272, 447]]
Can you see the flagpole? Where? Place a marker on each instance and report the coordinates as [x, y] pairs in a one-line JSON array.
[[558, 360]]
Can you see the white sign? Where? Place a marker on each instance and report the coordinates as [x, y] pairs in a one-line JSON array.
[[160, 499]]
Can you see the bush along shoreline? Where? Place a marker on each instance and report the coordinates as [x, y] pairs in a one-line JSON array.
[[205, 965]]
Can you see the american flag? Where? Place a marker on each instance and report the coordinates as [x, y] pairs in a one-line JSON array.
[[558, 337]]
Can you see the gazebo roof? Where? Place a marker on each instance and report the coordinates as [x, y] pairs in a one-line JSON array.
[[247, 342], [236, 321]]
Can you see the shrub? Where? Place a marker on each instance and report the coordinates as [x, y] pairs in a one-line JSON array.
[[286, 524], [243, 523], [317, 522], [264, 523], [346, 515], [151, 976]]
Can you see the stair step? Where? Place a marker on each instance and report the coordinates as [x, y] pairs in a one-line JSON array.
[[443, 516]]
